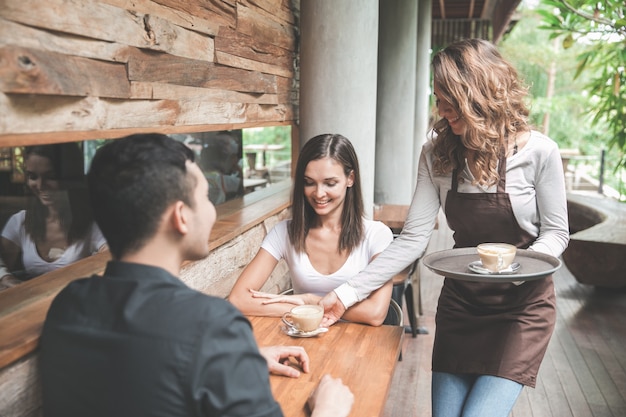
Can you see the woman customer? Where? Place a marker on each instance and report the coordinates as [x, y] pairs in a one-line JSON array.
[[326, 242], [57, 227], [497, 181]]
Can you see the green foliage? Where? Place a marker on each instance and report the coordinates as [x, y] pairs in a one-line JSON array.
[[533, 53], [599, 28], [272, 135], [89, 150]]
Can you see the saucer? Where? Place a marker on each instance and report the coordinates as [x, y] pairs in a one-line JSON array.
[[297, 333], [478, 268]]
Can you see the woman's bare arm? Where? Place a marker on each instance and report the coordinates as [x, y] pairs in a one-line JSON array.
[[254, 277]]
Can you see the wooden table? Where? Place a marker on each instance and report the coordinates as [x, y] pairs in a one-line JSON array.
[[393, 215], [364, 357]]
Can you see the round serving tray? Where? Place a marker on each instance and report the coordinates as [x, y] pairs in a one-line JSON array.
[[454, 263]]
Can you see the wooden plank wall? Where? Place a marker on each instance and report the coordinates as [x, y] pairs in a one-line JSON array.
[[85, 69], [75, 70]]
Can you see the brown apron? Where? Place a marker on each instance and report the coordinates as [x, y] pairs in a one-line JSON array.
[[499, 329]]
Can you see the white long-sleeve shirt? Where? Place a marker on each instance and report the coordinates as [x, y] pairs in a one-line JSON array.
[[535, 184]]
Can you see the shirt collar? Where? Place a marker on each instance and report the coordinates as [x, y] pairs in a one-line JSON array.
[[138, 272]]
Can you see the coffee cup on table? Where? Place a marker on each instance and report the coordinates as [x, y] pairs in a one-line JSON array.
[[496, 257], [304, 318]]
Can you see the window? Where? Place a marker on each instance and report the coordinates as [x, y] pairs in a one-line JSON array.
[[235, 162]]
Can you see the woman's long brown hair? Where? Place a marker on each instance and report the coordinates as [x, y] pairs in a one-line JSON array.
[[340, 149], [485, 91], [75, 213]]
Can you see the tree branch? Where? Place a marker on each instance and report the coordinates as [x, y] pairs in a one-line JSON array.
[[587, 15]]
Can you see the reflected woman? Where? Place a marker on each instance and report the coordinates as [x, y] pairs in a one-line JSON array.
[[56, 228]]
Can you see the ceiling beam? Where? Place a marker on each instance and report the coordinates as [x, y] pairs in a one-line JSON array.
[[488, 8], [442, 8], [470, 13]]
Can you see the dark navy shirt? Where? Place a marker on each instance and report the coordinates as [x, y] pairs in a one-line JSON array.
[[139, 342]]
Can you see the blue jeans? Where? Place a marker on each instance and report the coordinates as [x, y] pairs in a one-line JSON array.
[[463, 395]]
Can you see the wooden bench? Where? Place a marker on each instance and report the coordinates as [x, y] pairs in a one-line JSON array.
[[596, 254]]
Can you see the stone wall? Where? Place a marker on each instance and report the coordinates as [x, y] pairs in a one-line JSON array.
[[216, 274]]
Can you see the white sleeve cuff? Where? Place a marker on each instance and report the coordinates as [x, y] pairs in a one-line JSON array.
[[3, 269], [347, 295]]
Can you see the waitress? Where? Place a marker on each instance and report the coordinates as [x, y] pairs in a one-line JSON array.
[[497, 181]]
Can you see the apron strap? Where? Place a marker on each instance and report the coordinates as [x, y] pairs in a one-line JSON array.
[[501, 174], [502, 171], [455, 180]]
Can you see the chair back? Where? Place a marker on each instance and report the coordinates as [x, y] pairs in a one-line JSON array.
[[394, 315]]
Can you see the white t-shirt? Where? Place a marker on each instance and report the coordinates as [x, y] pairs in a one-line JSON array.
[[34, 265], [304, 278]]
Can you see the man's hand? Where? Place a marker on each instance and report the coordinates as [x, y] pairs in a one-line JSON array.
[[333, 309], [278, 359], [331, 398]]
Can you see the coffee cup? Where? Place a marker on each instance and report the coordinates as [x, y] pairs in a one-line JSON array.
[[304, 318], [496, 256]]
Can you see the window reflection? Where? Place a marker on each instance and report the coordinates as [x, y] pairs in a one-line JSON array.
[[268, 154], [47, 181], [53, 225], [267, 161], [219, 156]]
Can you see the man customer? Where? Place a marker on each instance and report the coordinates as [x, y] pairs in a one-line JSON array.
[[139, 342]]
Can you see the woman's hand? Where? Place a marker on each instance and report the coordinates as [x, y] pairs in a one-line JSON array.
[[295, 299], [333, 309], [8, 281]]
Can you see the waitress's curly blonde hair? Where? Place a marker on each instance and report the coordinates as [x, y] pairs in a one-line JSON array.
[[485, 91]]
